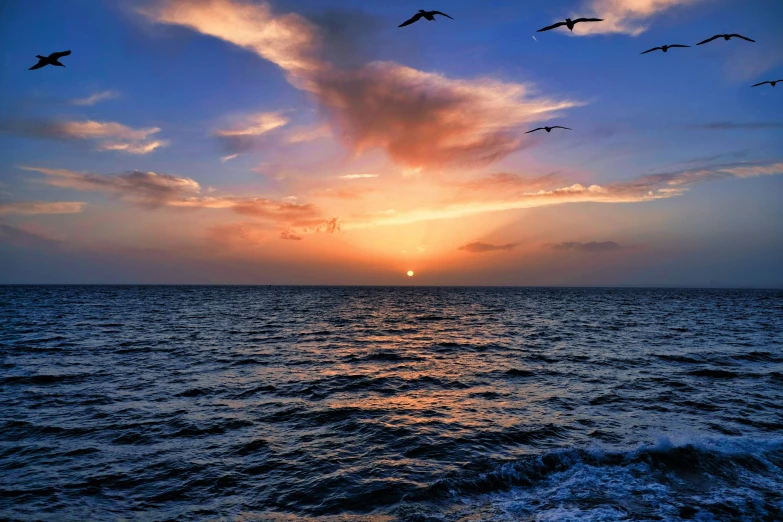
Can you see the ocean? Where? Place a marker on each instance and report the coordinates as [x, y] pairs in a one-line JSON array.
[[390, 403]]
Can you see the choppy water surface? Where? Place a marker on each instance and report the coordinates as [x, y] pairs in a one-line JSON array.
[[256, 403]]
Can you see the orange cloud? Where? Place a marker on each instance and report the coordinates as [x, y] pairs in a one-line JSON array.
[[422, 120]]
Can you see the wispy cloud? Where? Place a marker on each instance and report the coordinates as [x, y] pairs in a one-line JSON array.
[[108, 135], [623, 16], [420, 119], [229, 157], [42, 207], [256, 125], [592, 246], [307, 134], [245, 135], [357, 176], [477, 247], [94, 98]]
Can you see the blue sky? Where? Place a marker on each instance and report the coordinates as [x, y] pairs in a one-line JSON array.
[[173, 103]]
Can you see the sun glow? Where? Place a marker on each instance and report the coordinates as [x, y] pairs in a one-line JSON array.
[[410, 273]]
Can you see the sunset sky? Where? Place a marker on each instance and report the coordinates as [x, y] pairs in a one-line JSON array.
[[315, 142]]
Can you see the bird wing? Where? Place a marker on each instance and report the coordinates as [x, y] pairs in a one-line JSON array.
[[678, 45], [588, 20], [762, 83], [534, 130], [651, 50], [40, 64], [415, 18], [710, 39], [57, 56], [558, 24], [438, 12], [743, 37], [559, 127]]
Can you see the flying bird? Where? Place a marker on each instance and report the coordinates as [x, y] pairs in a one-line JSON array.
[[664, 48], [726, 37], [429, 15], [548, 129], [52, 59], [771, 82], [570, 23]]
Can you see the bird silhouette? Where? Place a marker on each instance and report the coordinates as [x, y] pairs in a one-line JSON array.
[[570, 23], [726, 37], [52, 59], [664, 48], [548, 129], [429, 15], [771, 82]]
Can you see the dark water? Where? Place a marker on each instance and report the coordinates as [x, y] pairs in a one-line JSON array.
[[255, 403]]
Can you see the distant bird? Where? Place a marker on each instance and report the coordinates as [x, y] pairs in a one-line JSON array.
[[771, 82], [548, 129], [429, 15], [664, 48], [570, 23], [726, 37], [52, 59]]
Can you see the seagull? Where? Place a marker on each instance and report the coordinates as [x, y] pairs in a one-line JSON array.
[[726, 37], [664, 48], [548, 129], [771, 82], [570, 23], [429, 15], [49, 60]]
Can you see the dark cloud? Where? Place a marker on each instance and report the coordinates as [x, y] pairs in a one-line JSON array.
[[287, 234], [593, 246], [477, 247]]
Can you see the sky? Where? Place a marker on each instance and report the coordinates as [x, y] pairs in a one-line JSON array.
[[315, 142]]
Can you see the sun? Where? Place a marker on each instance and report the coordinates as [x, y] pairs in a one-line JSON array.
[[410, 273]]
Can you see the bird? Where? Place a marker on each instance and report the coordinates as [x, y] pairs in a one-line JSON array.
[[726, 37], [570, 23], [52, 59], [429, 15], [548, 129], [771, 82], [664, 48]]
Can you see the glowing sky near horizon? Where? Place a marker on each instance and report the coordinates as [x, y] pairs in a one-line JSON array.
[[314, 142]]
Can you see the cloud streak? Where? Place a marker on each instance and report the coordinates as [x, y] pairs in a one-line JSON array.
[[420, 119], [42, 207], [94, 98], [107, 135], [477, 247], [152, 190], [642, 189]]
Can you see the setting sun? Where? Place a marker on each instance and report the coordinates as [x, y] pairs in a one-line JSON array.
[[410, 273]]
